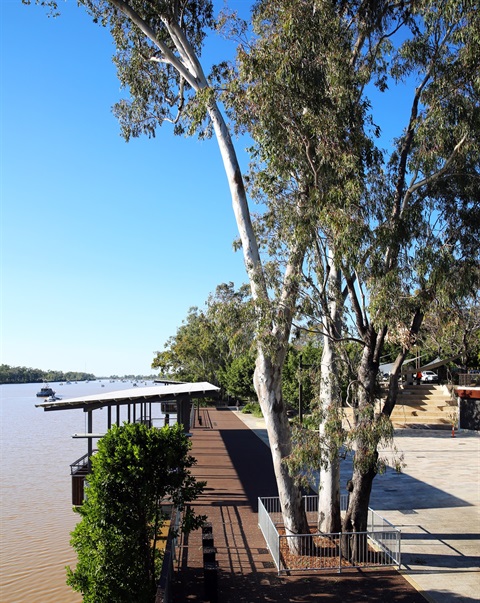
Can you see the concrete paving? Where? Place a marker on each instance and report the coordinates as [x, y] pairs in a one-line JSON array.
[[435, 502]]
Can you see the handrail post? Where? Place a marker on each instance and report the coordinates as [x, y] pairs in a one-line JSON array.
[[340, 544]]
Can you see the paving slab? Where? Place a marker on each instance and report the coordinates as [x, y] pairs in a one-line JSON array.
[[435, 502]]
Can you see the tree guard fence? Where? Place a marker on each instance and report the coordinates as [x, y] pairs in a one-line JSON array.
[[378, 546]]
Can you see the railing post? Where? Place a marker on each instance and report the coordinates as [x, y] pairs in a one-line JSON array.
[[340, 546]]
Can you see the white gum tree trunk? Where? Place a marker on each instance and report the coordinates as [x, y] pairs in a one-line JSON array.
[[329, 519], [268, 372], [269, 389]]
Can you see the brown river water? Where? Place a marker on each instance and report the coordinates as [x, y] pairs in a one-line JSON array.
[[36, 515]]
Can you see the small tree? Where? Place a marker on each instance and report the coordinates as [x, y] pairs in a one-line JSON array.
[[135, 469]]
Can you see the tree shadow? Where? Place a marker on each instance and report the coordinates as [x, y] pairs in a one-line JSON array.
[[393, 491], [252, 461]]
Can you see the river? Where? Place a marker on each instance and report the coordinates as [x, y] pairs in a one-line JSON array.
[[36, 515]]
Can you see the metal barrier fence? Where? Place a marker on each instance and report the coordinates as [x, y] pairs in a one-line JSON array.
[[379, 546], [164, 589]]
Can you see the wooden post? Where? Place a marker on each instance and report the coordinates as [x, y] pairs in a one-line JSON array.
[[90, 439]]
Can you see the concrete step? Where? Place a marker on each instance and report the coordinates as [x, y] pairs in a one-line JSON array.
[[399, 413], [425, 404]]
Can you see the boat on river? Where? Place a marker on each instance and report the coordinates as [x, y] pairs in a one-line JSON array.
[[45, 392]]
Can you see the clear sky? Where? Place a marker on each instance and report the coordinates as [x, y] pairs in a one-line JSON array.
[[105, 245]]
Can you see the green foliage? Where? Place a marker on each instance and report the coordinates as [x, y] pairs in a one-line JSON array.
[[302, 365], [135, 469], [313, 448], [454, 331], [237, 378], [253, 408], [157, 46], [210, 340]]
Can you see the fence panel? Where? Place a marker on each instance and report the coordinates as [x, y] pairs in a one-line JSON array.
[[378, 547], [267, 526]]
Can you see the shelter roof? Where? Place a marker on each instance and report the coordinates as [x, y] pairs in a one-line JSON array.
[[155, 393], [387, 368]]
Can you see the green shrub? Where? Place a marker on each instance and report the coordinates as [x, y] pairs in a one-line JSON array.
[[253, 408]]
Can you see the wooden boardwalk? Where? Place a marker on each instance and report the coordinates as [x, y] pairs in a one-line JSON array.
[[237, 467]]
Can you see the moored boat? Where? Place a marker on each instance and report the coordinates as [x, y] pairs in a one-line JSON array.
[[45, 392]]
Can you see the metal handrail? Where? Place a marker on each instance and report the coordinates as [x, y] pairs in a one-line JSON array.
[[385, 539], [80, 463]]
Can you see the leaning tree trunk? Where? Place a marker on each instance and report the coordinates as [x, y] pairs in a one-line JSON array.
[[268, 385], [187, 64], [268, 374]]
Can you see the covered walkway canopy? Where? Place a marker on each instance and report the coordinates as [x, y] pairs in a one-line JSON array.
[[138, 401], [155, 393], [180, 393]]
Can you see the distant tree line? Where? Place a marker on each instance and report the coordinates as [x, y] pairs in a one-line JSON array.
[[130, 377], [23, 374]]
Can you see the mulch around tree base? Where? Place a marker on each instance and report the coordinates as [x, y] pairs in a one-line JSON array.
[[237, 467]]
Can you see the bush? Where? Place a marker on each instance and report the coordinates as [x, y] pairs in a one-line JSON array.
[[253, 408], [134, 470]]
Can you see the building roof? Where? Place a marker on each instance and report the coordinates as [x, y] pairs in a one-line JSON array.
[[155, 393]]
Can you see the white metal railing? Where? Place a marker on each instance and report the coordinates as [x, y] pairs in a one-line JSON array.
[[267, 525], [380, 545]]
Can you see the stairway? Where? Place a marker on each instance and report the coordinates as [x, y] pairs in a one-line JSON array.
[[426, 405]]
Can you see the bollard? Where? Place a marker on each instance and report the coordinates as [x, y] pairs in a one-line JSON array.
[[209, 554], [210, 576], [453, 431], [207, 540]]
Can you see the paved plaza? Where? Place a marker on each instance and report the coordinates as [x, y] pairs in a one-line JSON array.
[[435, 502]]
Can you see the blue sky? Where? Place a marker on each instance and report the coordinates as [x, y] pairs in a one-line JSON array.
[[105, 245]]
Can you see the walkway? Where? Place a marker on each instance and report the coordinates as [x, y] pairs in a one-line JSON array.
[[237, 467]]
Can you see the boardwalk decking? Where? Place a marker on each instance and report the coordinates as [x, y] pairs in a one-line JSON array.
[[237, 467]]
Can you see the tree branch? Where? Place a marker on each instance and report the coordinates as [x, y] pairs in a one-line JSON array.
[[135, 18]]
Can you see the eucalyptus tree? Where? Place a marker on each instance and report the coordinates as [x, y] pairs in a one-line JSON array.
[[394, 238], [210, 339], [299, 96], [158, 46], [193, 353], [454, 332], [424, 243]]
